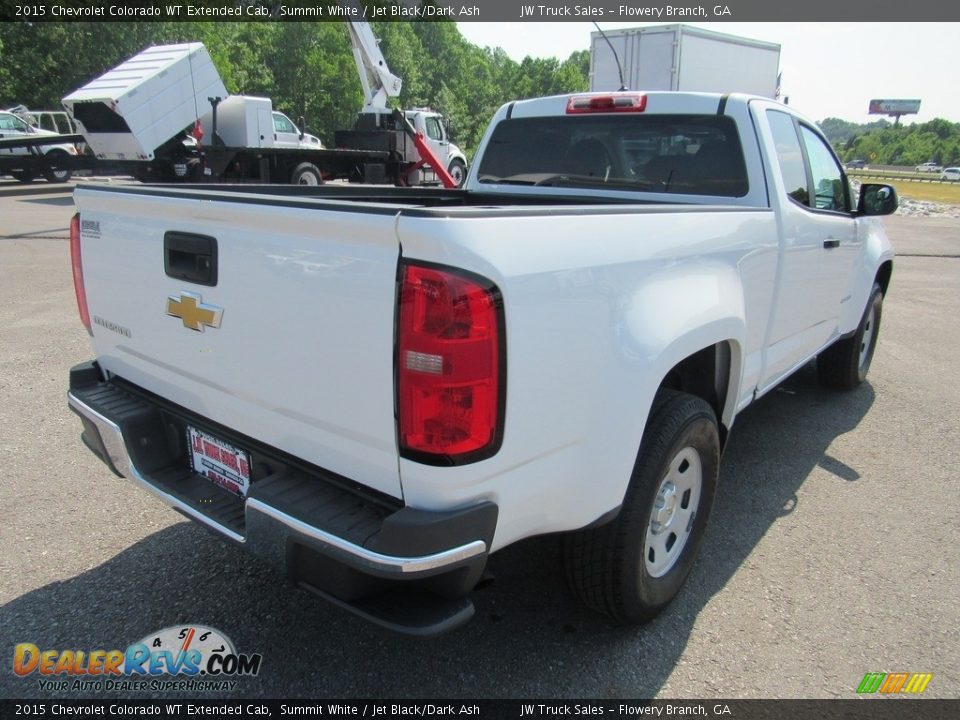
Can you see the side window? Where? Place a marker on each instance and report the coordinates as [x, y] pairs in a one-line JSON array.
[[828, 187], [12, 122], [790, 156], [432, 125], [281, 124]]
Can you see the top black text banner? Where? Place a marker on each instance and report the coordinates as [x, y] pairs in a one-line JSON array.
[[479, 11]]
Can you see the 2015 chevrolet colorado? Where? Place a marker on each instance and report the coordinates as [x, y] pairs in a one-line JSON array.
[[377, 388]]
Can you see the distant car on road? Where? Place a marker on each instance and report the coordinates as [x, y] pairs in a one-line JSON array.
[[856, 164], [929, 167], [950, 173]]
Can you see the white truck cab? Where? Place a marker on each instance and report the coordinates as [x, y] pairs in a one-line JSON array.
[[287, 134], [434, 130]]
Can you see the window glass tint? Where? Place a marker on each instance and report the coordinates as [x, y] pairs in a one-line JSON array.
[[828, 187], [677, 154], [432, 125], [789, 156]]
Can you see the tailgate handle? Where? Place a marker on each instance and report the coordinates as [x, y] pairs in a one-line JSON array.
[[190, 257]]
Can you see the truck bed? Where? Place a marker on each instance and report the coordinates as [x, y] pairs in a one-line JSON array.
[[397, 199]]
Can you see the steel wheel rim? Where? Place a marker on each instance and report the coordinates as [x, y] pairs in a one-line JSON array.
[[866, 340], [673, 513], [307, 178], [457, 173]]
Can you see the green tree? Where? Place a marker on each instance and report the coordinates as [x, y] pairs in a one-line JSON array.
[[306, 68]]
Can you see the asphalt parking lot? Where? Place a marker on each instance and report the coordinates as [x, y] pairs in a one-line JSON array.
[[832, 550]]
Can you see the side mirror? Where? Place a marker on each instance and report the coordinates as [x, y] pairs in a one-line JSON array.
[[876, 199], [301, 121]]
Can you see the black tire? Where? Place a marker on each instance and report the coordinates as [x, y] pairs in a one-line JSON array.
[[24, 176], [845, 364], [306, 174], [608, 568], [57, 176], [458, 171]]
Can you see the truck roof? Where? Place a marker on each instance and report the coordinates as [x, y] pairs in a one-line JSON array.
[[656, 102]]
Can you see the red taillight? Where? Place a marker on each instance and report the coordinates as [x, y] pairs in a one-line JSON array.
[[78, 272], [450, 375], [582, 104]]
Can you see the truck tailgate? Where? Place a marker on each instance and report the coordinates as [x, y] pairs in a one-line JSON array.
[[302, 358]]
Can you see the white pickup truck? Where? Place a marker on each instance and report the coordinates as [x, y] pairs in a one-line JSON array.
[[377, 388]]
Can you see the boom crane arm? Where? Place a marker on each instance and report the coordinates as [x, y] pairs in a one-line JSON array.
[[379, 84], [377, 80]]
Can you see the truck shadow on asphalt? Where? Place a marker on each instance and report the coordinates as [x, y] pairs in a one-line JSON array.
[[528, 639]]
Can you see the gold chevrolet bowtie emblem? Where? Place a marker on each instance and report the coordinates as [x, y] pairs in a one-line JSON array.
[[195, 314]]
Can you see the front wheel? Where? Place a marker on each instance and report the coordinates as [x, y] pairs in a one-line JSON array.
[[57, 175], [632, 567], [844, 365], [458, 171]]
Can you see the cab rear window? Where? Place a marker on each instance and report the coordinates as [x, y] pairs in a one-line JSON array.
[[677, 154]]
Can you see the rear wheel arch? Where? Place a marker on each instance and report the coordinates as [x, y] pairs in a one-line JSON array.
[[884, 273], [712, 374]]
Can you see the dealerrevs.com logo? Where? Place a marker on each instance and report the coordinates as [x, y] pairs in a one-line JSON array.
[[183, 657]]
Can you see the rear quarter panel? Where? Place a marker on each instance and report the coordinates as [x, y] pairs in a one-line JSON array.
[[599, 305]]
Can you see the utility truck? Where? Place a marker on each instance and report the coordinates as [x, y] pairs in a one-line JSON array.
[[377, 388], [165, 115], [148, 114]]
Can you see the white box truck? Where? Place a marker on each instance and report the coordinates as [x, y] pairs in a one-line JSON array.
[[682, 57]]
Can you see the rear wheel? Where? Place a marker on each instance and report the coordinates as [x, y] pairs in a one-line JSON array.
[[57, 175], [844, 365], [306, 174], [632, 567]]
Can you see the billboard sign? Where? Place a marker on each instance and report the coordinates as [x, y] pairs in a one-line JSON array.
[[894, 107]]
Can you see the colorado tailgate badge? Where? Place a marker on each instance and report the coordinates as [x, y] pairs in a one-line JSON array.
[[194, 313]]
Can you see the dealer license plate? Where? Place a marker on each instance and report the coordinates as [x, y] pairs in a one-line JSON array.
[[220, 462]]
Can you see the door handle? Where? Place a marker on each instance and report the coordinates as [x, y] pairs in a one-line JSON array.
[[831, 243], [190, 257]]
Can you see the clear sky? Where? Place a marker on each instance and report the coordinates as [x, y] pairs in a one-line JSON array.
[[829, 69]]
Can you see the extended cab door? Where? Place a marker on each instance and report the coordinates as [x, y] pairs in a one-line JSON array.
[[819, 242]]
